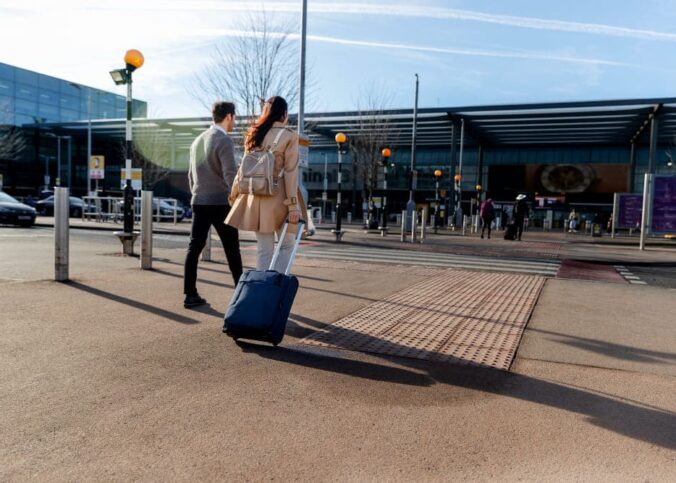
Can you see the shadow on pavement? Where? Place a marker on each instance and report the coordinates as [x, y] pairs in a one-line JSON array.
[[133, 303], [634, 420], [339, 365], [617, 351]]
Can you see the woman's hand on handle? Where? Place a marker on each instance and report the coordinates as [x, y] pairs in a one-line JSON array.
[[294, 217]]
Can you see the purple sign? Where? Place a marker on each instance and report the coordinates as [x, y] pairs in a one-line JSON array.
[[664, 205], [629, 210]]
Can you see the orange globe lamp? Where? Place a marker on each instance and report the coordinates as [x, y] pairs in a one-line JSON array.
[[387, 152], [341, 138], [478, 187], [134, 58], [457, 178], [438, 173]]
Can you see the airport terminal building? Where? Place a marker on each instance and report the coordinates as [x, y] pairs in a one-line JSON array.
[[560, 154]]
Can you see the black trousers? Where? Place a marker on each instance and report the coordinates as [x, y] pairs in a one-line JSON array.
[[486, 223], [203, 218], [519, 221]]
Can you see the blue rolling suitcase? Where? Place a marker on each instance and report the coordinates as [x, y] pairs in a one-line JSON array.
[[262, 300]]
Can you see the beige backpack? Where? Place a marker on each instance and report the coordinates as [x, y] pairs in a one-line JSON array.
[[256, 174]]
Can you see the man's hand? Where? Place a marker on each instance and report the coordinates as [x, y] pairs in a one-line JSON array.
[[294, 217]]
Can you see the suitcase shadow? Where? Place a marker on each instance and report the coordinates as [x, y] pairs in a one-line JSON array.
[[348, 367]]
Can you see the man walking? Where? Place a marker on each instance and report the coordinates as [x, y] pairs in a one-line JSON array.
[[520, 214], [211, 174]]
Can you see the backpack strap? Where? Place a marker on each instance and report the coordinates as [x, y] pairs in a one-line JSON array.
[[276, 141]]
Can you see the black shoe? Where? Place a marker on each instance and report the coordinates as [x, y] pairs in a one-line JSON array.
[[193, 301], [482, 236]]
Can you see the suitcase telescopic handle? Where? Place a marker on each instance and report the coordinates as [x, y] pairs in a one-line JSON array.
[[278, 248]]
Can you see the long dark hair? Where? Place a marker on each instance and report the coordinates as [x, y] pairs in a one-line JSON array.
[[274, 110]]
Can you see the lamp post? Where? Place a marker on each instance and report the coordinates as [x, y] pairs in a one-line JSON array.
[[457, 188], [326, 187], [478, 205], [410, 206], [386, 152], [341, 139], [133, 60], [437, 175], [57, 181]]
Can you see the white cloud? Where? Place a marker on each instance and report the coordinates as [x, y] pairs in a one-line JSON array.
[[361, 9]]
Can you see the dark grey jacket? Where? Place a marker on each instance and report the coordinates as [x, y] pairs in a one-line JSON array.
[[212, 168]]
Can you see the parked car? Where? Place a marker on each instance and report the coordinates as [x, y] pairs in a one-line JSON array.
[[166, 210], [14, 213], [46, 207]]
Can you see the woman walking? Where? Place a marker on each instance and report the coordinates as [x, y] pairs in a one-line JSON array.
[[487, 216], [265, 214]]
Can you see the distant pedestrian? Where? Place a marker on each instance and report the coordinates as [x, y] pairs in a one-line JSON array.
[[572, 221], [487, 212], [210, 176], [520, 214]]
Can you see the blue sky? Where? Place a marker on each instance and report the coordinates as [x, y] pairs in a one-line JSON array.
[[466, 52]]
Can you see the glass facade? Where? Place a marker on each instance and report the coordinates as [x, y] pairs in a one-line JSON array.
[[27, 97]]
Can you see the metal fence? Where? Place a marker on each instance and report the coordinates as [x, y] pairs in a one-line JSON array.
[[110, 209]]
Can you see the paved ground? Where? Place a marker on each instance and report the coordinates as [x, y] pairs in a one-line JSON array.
[[108, 377]]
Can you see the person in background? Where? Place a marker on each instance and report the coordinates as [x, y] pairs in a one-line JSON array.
[[487, 213], [210, 176], [520, 214], [572, 221]]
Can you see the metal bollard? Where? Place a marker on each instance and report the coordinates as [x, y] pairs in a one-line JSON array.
[[423, 226], [206, 252], [403, 226], [414, 227], [147, 230], [61, 234]]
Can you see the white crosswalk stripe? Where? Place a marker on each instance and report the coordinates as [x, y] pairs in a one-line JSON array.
[[629, 276], [446, 260]]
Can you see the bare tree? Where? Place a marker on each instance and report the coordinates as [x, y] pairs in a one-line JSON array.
[[260, 62], [371, 132]]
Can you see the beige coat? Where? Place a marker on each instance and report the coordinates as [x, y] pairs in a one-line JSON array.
[[266, 214]]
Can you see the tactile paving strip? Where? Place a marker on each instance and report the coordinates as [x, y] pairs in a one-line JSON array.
[[464, 317]]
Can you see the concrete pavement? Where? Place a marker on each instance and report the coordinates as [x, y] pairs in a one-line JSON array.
[[108, 377]]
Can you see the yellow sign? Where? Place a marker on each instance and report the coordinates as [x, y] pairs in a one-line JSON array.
[[97, 167], [136, 178]]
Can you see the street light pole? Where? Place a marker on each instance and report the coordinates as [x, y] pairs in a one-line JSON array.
[[410, 206], [341, 139], [133, 60], [326, 187], [58, 161], [437, 174], [386, 159]]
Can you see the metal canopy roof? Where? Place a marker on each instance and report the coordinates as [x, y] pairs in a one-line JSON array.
[[616, 122]]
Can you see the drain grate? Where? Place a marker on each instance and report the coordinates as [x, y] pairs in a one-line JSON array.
[[464, 317]]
